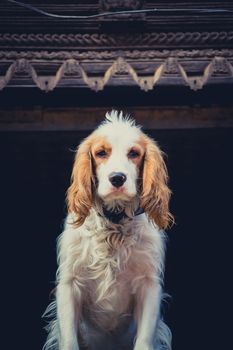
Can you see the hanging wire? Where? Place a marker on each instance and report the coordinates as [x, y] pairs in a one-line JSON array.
[[108, 14]]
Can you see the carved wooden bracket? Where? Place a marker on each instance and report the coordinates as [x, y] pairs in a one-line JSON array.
[[75, 72], [160, 48]]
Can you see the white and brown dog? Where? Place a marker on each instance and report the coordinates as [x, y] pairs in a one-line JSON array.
[[111, 252]]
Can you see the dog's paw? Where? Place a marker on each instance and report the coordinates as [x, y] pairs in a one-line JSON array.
[[70, 346], [141, 345]]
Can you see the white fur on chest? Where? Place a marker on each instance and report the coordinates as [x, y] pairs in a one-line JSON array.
[[107, 263]]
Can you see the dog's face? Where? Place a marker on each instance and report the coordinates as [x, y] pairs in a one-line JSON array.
[[117, 157], [118, 162]]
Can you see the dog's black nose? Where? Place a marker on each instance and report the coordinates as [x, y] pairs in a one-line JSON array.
[[117, 179]]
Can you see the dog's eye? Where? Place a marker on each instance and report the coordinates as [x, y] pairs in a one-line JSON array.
[[101, 154], [133, 154]]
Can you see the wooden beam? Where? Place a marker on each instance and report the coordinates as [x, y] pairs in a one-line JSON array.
[[70, 119]]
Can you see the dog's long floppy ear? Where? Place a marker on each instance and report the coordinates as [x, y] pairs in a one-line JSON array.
[[79, 194], [155, 192]]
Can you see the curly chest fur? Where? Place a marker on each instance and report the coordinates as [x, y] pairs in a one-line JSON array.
[[117, 261]]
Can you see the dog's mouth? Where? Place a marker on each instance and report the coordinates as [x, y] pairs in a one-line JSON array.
[[118, 193]]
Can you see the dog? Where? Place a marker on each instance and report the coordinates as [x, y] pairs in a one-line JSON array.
[[111, 252]]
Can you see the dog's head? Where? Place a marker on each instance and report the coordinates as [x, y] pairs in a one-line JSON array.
[[118, 163]]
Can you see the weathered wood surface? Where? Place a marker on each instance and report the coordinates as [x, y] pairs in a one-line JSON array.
[[28, 21], [169, 48], [97, 74], [70, 119]]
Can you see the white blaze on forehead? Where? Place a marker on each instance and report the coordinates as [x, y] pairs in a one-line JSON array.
[[119, 130]]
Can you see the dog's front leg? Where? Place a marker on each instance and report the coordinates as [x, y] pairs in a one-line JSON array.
[[67, 312], [147, 313]]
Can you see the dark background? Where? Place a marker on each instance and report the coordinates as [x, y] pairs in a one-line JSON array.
[[35, 172]]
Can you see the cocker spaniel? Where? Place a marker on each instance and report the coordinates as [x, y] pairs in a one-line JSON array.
[[111, 253]]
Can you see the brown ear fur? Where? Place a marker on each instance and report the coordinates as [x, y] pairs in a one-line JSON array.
[[155, 192], [79, 194]]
